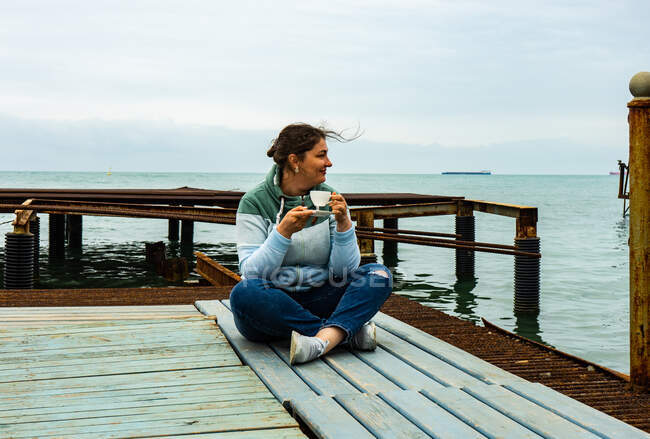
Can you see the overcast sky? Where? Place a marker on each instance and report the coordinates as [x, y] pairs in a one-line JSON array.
[[451, 74]]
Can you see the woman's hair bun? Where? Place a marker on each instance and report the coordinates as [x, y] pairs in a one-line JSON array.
[[272, 150]]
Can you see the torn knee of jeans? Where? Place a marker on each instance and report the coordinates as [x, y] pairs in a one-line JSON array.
[[381, 273]]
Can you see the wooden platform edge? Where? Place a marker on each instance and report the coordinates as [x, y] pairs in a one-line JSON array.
[[111, 296]]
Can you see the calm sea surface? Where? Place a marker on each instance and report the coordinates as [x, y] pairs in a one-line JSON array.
[[585, 279]]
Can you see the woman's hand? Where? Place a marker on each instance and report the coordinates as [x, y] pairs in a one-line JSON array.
[[294, 221], [340, 212]]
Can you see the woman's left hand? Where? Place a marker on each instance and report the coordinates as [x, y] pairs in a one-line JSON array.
[[340, 212]]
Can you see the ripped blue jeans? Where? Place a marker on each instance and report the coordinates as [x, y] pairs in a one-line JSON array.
[[263, 312]]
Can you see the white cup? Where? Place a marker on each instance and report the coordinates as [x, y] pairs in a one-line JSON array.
[[319, 198]]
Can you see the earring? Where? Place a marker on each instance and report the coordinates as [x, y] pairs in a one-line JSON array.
[[296, 169]]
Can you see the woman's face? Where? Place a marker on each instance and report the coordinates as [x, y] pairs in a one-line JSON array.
[[313, 167]]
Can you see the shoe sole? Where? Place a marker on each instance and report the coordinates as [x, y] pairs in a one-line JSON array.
[[292, 350]]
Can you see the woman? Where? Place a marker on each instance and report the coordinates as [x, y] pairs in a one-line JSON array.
[[300, 272]]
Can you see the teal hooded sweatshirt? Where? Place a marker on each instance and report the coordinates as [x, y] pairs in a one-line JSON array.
[[312, 256]]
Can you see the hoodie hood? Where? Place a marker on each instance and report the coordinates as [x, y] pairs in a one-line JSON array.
[[287, 202], [268, 200]]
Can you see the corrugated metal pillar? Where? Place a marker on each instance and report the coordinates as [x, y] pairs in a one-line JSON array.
[[639, 164], [35, 229], [389, 254], [527, 269], [465, 227]]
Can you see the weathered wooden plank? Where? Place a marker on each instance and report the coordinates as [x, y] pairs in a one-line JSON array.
[[229, 359], [379, 418], [115, 365], [49, 319], [279, 433], [106, 339], [280, 379], [103, 325], [123, 382], [107, 408], [428, 416], [191, 423], [113, 327], [397, 370], [145, 414], [148, 334], [424, 362], [318, 375], [483, 418], [107, 351], [527, 413], [358, 373], [446, 352], [578, 413], [20, 328], [327, 419], [68, 401], [52, 360]]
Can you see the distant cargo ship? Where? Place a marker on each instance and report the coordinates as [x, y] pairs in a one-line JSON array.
[[467, 173], [614, 173]]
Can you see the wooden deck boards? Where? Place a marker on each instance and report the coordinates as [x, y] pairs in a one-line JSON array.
[[128, 371], [414, 385]]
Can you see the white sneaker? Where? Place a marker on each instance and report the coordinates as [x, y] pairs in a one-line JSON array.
[[365, 339], [304, 348]]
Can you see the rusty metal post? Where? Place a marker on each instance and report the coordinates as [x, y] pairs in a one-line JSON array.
[[187, 232], [367, 246], [527, 273], [389, 254], [57, 236], [639, 168], [35, 229], [172, 228], [465, 227], [74, 230]]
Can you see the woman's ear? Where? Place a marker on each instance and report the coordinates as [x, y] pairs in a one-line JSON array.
[[292, 159]]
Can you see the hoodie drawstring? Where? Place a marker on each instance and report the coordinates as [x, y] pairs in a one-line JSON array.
[[277, 217]]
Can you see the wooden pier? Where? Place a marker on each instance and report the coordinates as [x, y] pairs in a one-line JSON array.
[[118, 372], [510, 360]]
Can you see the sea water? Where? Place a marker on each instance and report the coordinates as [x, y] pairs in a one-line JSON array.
[[584, 266]]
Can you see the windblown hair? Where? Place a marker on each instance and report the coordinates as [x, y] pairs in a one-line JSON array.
[[299, 138]]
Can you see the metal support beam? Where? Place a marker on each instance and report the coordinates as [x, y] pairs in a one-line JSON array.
[[407, 211], [389, 254], [57, 236], [639, 166], [74, 228], [172, 230]]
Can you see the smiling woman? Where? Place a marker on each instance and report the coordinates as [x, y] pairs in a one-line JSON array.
[[300, 271]]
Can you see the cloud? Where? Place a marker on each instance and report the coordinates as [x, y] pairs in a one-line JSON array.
[[166, 146], [458, 73]]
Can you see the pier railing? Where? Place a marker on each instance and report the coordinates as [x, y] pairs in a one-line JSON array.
[[66, 224]]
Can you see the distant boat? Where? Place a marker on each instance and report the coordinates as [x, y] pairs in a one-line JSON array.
[[614, 173], [109, 172], [467, 173]]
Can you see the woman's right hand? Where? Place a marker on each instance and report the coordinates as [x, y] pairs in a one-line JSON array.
[[294, 221]]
